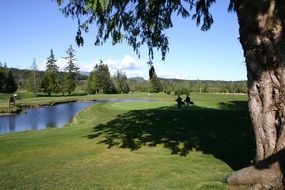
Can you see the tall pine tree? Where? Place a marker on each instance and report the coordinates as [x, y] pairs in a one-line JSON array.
[[49, 83], [33, 77], [69, 82]]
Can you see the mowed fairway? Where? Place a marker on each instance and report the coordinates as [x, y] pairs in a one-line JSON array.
[[138, 145]]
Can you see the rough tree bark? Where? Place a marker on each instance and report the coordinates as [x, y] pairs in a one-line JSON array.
[[262, 35]]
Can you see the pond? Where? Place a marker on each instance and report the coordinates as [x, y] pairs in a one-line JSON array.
[[49, 116]]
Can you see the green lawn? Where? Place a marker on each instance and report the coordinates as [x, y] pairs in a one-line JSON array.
[[134, 146]]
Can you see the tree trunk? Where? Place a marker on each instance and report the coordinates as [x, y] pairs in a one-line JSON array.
[[262, 36]]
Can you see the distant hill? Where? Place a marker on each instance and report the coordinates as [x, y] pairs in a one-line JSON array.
[[84, 73], [139, 79]]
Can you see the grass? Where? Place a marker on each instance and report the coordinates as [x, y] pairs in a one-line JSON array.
[[28, 99], [149, 145]]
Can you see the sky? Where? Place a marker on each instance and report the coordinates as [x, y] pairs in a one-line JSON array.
[[30, 28]]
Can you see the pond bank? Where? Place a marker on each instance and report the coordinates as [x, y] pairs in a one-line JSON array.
[[21, 105]]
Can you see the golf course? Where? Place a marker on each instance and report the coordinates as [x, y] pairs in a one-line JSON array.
[[132, 145]]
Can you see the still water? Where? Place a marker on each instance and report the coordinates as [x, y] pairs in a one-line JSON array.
[[49, 116]]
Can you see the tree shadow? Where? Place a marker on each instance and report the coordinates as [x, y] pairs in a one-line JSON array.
[[225, 133]]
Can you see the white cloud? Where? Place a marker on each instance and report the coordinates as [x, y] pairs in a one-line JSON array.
[[86, 67], [61, 63], [42, 66], [126, 63]]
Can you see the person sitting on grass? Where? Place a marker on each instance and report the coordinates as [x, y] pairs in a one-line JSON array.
[[179, 102]]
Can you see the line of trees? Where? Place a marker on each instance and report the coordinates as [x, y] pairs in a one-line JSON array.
[[177, 86], [53, 82], [100, 80]]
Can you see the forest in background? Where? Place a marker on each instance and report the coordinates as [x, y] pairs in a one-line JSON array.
[[24, 82]]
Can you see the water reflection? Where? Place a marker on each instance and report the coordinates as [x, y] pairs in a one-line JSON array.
[[12, 123], [42, 117]]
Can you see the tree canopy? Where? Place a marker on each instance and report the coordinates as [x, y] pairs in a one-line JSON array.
[[137, 22], [100, 80], [49, 82], [121, 82], [7, 80], [69, 82]]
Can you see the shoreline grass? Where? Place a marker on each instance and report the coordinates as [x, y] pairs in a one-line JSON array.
[[30, 100], [135, 145]]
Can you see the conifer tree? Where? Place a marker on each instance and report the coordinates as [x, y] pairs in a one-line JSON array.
[[155, 85], [69, 82], [100, 80], [11, 85], [121, 82], [49, 82], [33, 77], [2, 77]]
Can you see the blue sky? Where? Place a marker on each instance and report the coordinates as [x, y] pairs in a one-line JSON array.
[[30, 28]]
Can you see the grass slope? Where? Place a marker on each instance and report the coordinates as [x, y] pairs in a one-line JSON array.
[[134, 146]]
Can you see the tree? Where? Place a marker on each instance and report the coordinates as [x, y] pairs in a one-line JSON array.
[[121, 82], [7, 80], [33, 77], [49, 82], [69, 82], [262, 24], [11, 85], [2, 77], [155, 85], [100, 80]]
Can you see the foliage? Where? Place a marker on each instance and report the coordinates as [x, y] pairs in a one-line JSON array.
[[49, 82], [11, 85], [3, 75], [34, 81], [137, 22], [69, 82], [154, 84], [7, 80], [100, 80], [138, 84], [178, 86], [121, 82], [24, 82]]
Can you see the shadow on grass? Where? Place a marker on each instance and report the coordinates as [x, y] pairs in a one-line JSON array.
[[225, 133]]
